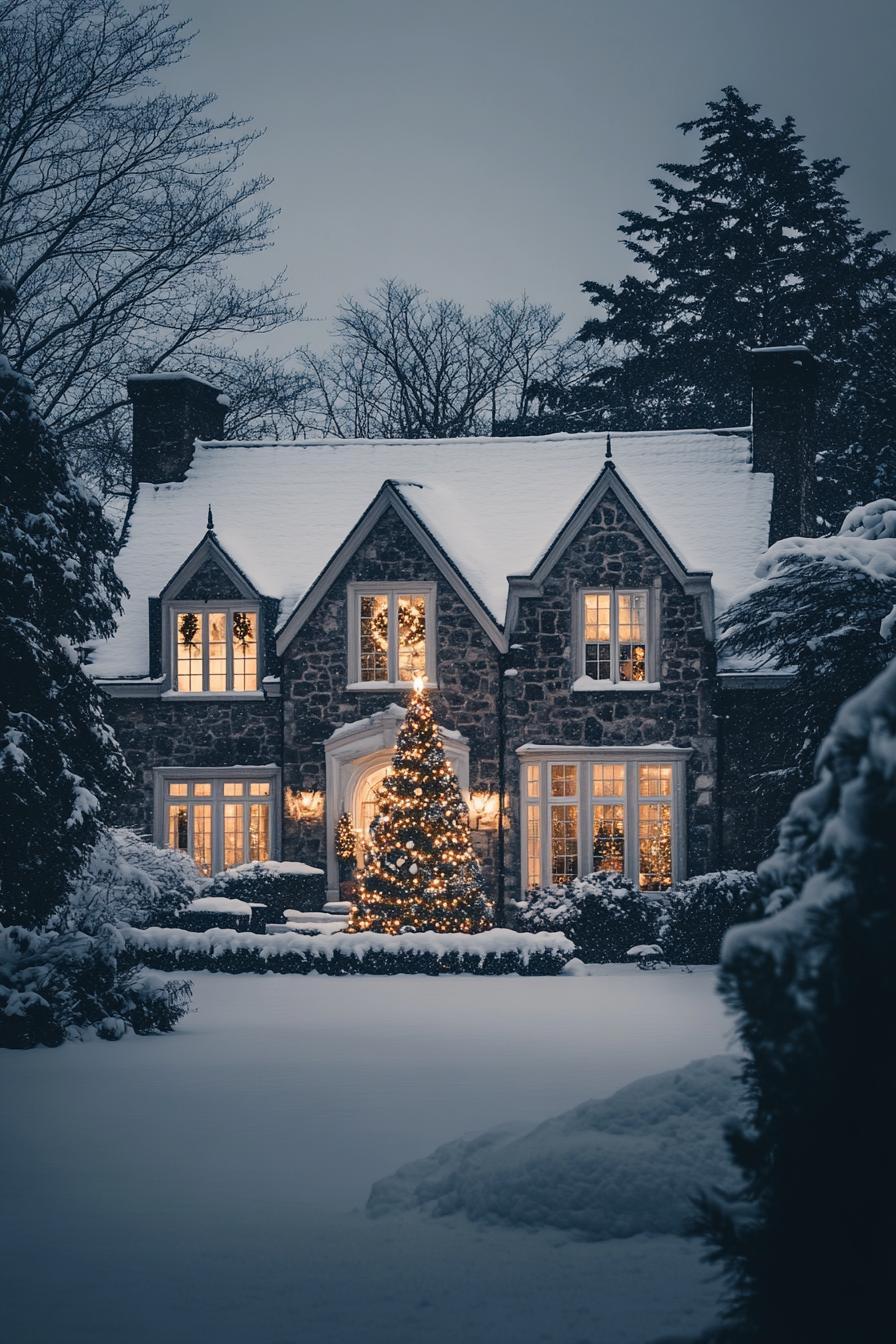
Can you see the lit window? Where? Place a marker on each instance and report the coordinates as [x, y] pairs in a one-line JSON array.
[[221, 822], [614, 636], [216, 651], [608, 817], [392, 641], [600, 813], [655, 827]]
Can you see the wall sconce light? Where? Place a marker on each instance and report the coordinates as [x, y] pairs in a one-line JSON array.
[[303, 804], [483, 811]]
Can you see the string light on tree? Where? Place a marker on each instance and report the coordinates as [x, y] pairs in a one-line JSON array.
[[420, 871]]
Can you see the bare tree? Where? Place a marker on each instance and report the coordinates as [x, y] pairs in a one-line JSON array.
[[404, 365], [120, 210]]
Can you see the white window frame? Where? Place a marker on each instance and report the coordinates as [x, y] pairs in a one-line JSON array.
[[428, 591], [174, 609], [651, 681], [217, 776], [583, 758]]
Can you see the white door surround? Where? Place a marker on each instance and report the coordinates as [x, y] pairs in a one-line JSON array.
[[357, 750]]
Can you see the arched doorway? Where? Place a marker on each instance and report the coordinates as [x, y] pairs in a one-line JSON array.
[[364, 806]]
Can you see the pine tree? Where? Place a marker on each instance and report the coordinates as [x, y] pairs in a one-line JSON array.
[[751, 245], [826, 609], [809, 1241], [59, 762], [420, 871]]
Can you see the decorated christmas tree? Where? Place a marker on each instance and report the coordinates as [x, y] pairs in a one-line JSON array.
[[420, 872]]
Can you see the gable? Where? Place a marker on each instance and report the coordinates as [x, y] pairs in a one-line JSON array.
[[388, 502], [209, 574], [610, 490]]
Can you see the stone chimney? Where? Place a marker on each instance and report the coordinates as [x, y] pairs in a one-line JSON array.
[[783, 379], [170, 411]]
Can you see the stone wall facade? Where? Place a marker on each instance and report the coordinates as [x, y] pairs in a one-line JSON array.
[[180, 732], [315, 674], [611, 551], [540, 705]]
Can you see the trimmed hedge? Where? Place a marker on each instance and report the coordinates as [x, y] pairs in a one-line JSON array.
[[698, 913], [279, 886], [496, 952]]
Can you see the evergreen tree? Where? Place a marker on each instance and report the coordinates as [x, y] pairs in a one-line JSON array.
[[809, 1241], [826, 608], [420, 871], [59, 762], [751, 245], [862, 463]]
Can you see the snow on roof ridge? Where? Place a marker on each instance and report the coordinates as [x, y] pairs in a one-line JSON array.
[[583, 436], [491, 506]]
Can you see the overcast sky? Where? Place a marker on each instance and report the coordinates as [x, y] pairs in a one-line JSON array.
[[481, 148]]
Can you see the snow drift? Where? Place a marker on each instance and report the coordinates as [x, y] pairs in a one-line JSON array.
[[629, 1164]]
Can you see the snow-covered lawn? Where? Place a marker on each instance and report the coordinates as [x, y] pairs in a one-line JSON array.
[[210, 1185]]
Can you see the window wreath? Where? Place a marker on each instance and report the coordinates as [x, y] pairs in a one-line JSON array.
[[242, 629], [411, 624], [188, 628]]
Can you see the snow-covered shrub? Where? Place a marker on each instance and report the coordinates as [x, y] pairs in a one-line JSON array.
[[279, 886], [218, 912], [54, 984], [814, 994], [824, 607], [696, 914], [127, 880], [494, 952], [603, 914]]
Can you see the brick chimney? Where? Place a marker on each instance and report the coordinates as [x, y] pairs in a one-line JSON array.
[[783, 379], [170, 411]]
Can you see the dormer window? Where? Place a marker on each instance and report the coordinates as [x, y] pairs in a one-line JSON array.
[[616, 643], [391, 634], [216, 649]]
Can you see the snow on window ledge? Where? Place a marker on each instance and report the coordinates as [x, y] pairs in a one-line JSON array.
[[591, 684], [404, 686], [212, 695]]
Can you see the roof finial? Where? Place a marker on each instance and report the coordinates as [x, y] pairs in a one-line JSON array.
[[608, 455], [210, 522]]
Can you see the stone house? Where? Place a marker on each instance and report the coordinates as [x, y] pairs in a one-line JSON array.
[[559, 594]]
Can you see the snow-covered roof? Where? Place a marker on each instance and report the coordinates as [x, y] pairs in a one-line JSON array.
[[281, 510]]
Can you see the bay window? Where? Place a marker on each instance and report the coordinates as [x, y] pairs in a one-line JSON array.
[[216, 649], [221, 819], [603, 809], [391, 635]]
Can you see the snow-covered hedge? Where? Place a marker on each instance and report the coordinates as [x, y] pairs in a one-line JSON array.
[[279, 886], [495, 952], [696, 915], [54, 984], [127, 880], [216, 912], [603, 914]]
